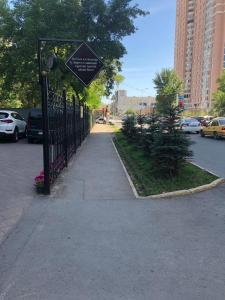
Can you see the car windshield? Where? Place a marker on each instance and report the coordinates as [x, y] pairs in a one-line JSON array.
[[3, 115], [222, 122], [190, 121]]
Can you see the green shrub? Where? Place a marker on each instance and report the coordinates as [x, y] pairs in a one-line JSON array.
[[170, 146], [129, 127]]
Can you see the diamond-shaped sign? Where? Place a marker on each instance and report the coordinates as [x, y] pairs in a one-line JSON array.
[[85, 64]]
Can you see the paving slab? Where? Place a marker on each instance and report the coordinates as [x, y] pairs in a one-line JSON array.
[[112, 246]]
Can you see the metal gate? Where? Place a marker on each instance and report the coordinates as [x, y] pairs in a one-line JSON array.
[[66, 123]]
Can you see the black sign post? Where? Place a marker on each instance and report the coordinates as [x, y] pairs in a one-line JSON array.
[[84, 64]]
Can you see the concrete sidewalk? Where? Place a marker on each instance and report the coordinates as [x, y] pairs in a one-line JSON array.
[[95, 241], [97, 170]]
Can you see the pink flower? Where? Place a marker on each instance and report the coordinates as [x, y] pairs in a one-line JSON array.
[[39, 178]]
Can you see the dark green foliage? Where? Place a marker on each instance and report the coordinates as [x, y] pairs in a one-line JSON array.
[[168, 86], [103, 24], [170, 145], [164, 142], [140, 130], [169, 151], [129, 127], [147, 182], [149, 134], [219, 98], [141, 120]]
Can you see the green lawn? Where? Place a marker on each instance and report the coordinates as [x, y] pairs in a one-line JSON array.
[[138, 165]]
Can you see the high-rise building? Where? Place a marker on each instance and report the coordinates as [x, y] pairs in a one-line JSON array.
[[200, 49]]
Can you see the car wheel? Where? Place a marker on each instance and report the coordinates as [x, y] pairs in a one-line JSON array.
[[30, 141], [215, 135], [202, 133], [15, 136], [25, 133]]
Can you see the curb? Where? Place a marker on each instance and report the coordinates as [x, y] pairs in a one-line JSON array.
[[125, 171], [198, 189], [195, 164]]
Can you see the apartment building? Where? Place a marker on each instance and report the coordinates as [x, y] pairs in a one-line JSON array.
[[200, 49]]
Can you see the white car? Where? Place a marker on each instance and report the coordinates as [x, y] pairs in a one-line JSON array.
[[12, 125], [100, 120], [190, 125]]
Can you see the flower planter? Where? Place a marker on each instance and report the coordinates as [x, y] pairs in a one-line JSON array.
[[39, 189], [39, 183]]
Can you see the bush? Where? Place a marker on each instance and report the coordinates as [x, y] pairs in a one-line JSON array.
[[170, 146], [150, 133], [169, 152], [129, 127]]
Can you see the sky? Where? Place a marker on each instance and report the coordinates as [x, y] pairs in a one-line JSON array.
[[151, 48]]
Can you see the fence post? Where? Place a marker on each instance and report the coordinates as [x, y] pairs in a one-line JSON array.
[[44, 91], [65, 145], [84, 120], [89, 120], [74, 124], [80, 122]]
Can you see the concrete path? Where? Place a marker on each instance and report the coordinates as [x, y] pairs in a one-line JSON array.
[[94, 241], [97, 169]]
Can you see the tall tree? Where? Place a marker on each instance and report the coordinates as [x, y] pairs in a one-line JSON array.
[[170, 146], [219, 98], [168, 86], [103, 24]]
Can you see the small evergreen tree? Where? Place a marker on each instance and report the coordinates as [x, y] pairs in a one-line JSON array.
[[129, 127], [170, 146], [151, 132], [140, 129]]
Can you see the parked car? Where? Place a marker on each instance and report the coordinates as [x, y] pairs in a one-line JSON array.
[[100, 120], [207, 120], [190, 125], [200, 119], [215, 128], [12, 125], [35, 126]]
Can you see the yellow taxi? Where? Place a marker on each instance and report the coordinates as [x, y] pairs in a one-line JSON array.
[[215, 128]]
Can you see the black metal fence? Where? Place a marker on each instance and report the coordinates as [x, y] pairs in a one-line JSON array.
[[66, 123]]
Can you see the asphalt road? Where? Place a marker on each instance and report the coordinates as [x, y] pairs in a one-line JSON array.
[[209, 153], [20, 163]]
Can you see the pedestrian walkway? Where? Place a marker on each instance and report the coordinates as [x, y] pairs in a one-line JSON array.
[[95, 241], [97, 170]]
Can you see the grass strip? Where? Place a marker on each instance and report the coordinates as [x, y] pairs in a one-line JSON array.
[[147, 183]]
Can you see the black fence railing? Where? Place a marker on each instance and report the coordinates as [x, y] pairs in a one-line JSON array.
[[66, 124]]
